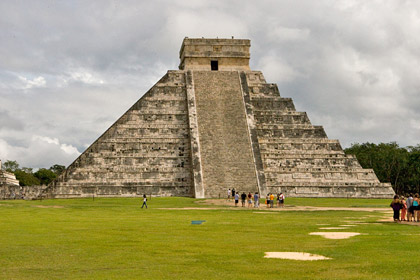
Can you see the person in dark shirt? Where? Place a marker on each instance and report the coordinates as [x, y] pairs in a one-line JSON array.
[[243, 198], [396, 206]]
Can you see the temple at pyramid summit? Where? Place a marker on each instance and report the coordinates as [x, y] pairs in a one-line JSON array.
[[212, 125]]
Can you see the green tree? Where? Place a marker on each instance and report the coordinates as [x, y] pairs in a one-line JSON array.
[[26, 179], [45, 176], [11, 166], [389, 161], [57, 169]]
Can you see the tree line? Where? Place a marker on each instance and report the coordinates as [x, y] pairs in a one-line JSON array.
[[27, 177], [397, 165]]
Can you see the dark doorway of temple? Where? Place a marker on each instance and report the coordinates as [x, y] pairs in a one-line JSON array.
[[214, 65]]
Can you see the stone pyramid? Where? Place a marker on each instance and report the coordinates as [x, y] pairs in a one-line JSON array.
[[212, 125]]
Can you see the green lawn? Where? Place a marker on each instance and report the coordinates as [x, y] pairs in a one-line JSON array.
[[113, 238]]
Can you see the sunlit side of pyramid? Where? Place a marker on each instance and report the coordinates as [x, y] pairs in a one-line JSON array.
[[212, 125]]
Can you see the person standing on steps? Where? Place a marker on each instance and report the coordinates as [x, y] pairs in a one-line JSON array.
[[144, 201]]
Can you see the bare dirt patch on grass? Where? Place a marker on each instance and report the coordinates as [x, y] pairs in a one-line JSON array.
[[300, 256], [230, 203], [335, 235], [332, 228]]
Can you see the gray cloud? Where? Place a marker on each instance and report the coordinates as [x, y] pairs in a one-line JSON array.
[[70, 69]]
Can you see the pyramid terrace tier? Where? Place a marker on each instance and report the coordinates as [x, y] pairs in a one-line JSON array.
[[315, 144], [282, 164], [280, 117], [315, 175], [273, 104], [292, 132]]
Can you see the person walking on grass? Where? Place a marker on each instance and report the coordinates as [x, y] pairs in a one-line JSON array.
[[236, 199], [410, 209], [144, 201], [243, 198], [249, 200], [396, 206], [256, 200], [403, 209]]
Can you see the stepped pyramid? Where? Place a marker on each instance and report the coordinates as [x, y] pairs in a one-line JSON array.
[[212, 125]]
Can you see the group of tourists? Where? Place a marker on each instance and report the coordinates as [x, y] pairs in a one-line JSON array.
[[409, 207], [254, 199]]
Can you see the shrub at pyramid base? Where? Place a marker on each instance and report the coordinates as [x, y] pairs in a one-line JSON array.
[[214, 125]]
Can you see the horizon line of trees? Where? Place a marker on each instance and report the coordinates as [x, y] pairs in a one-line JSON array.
[[27, 177], [393, 164]]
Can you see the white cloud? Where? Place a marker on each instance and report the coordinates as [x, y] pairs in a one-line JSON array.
[[36, 82], [39, 151]]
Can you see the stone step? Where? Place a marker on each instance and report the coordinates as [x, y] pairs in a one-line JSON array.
[[279, 119], [297, 141], [300, 147], [310, 132], [282, 104], [310, 162], [312, 154], [324, 184], [255, 78]]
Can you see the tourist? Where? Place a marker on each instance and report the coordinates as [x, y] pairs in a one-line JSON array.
[[271, 200], [409, 201], [144, 201], [229, 194], [416, 208], [267, 200], [278, 200], [281, 200], [396, 206], [236, 199], [403, 209], [256, 200], [243, 198], [249, 200], [233, 192]]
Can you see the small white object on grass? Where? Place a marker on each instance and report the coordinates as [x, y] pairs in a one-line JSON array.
[[300, 256]]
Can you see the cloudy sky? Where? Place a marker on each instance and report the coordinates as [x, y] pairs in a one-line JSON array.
[[69, 69]]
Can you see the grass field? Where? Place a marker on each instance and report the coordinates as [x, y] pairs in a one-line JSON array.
[[113, 238]]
